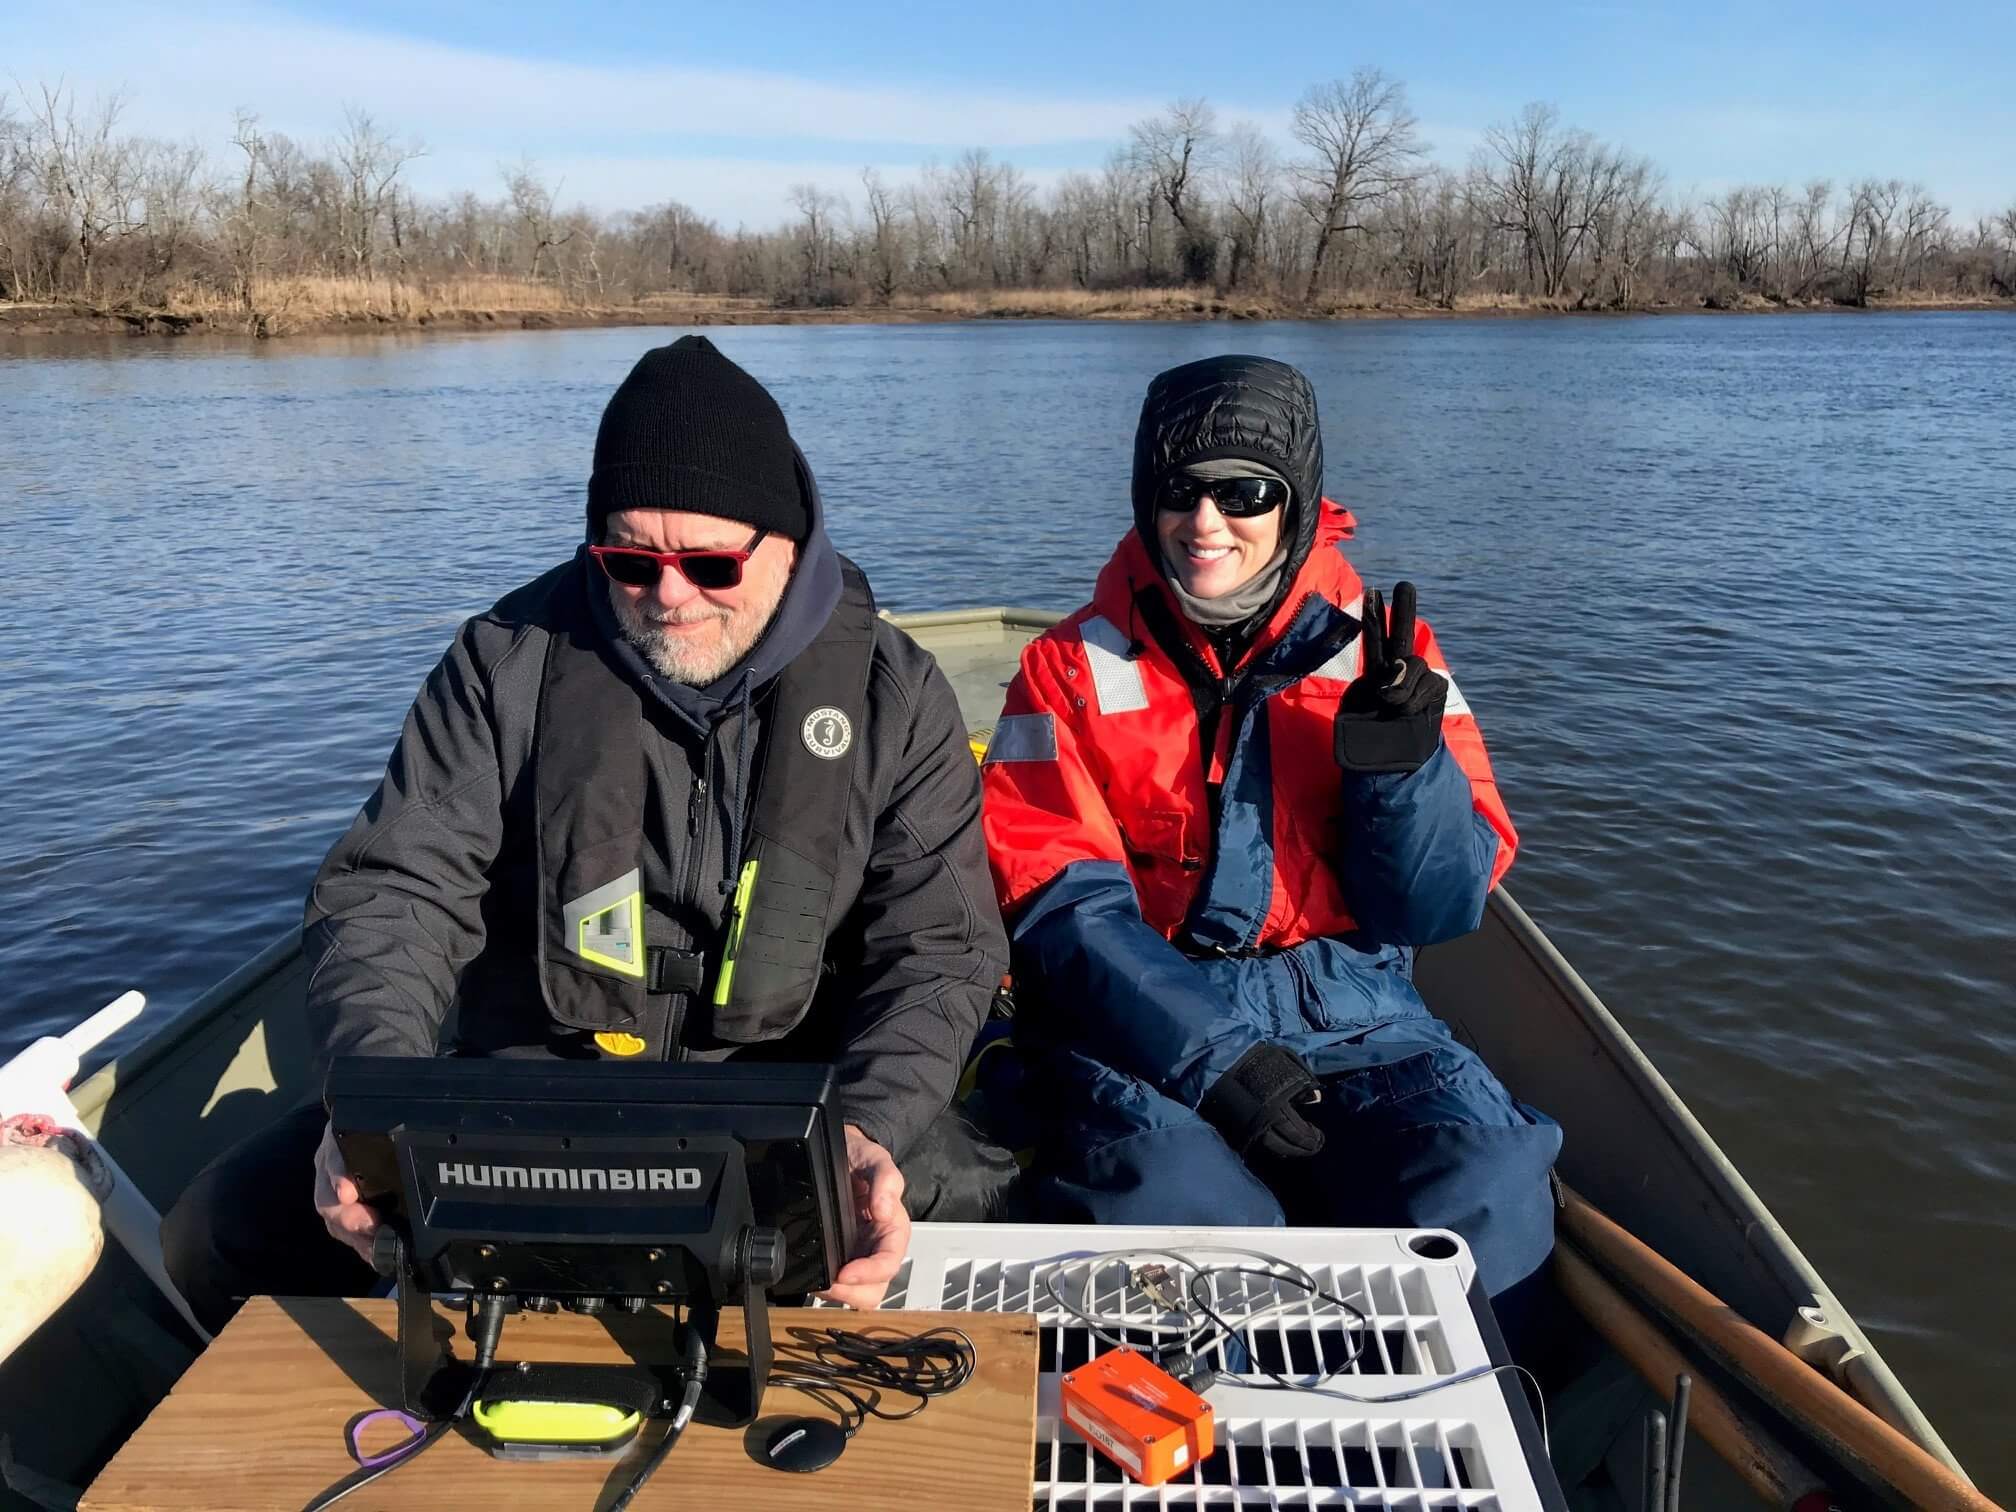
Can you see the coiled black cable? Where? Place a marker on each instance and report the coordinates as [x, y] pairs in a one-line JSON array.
[[850, 1372]]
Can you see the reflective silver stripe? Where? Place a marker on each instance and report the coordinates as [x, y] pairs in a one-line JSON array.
[[614, 938], [1023, 737], [1344, 663], [1116, 676], [1455, 703]]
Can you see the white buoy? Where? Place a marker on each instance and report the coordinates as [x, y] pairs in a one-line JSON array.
[[37, 1082]]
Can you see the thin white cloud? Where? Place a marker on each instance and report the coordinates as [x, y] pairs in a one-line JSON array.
[[732, 142], [299, 75]]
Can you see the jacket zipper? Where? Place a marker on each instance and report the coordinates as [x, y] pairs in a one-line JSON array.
[[696, 819]]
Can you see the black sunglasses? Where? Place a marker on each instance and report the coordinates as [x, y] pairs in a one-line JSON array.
[[1236, 498]]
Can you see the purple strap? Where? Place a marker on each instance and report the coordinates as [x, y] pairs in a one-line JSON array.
[[414, 1427]]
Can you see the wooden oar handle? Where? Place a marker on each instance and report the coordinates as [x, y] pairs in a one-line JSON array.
[[1765, 1465], [1787, 1383]]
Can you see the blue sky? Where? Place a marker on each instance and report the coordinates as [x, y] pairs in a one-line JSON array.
[[725, 106]]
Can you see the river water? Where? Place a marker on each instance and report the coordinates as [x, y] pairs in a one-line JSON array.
[[1734, 598]]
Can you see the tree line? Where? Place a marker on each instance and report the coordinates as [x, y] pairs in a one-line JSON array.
[[1349, 210]]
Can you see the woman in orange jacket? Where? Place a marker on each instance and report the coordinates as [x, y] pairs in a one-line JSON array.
[[1226, 802]]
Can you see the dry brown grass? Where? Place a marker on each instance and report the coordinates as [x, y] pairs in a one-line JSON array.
[[1927, 299], [1072, 304], [286, 303]]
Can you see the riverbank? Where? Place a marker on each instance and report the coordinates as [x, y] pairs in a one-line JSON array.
[[306, 307]]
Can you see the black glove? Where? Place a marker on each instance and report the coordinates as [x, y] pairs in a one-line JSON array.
[[1256, 1102], [1391, 718]]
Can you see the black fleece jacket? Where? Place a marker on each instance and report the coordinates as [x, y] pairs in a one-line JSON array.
[[421, 921]]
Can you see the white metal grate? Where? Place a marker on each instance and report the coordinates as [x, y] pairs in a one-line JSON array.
[[1453, 1450]]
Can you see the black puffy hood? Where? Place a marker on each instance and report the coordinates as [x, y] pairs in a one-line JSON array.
[[1250, 407]]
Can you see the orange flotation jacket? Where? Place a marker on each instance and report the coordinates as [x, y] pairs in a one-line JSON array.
[[1147, 809]]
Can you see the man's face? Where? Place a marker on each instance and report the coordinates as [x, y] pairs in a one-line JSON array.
[[694, 635]]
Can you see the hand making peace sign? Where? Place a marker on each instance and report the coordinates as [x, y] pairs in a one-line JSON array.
[[1391, 717]]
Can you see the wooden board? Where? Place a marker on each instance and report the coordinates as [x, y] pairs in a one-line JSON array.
[[258, 1421]]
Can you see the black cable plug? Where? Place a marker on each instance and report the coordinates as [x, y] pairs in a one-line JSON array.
[[487, 1312], [694, 1367]]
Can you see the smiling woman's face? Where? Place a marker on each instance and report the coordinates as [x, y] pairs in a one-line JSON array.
[[1211, 554]]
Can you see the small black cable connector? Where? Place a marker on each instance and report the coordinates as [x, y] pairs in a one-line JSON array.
[[694, 1367], [486, 1325]]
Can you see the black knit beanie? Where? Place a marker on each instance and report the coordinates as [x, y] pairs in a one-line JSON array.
[[689, 430]]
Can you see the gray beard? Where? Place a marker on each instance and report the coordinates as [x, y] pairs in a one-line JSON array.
[[693, 666]]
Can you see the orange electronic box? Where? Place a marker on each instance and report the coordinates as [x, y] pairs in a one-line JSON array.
[[1139, 1416]]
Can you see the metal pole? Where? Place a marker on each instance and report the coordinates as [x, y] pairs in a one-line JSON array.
[[1655, 1461], [1676, 1444]]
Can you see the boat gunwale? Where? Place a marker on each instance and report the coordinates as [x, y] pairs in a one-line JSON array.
[[93, 1095], [1726, 1182]]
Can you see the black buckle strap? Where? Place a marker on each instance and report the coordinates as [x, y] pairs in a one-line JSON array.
[[669, 970], [1227, 952]]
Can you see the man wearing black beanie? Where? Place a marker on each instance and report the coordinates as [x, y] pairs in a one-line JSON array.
[[682, 797], [689, 425]]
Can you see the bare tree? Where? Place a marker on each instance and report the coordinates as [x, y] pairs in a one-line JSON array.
[[1432, 227], [88, 174], [238, 211], [973, 194], [885, 252], [1813, 238], [532, 201], [1362, 143], [1173, 151], [172, 189], [678, 246], [371, 162], [1252, 179], [16, 275], [1872, 207], [1922, 227], [1126, 202], [818, 210]]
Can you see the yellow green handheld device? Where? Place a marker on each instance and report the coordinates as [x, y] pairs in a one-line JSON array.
[[563, 1412]]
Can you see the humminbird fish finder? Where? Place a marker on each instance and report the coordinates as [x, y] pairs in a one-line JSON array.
[[605, 1188]]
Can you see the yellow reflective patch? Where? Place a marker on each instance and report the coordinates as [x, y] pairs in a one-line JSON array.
[[977, 740], [738, 918], [614, 937], [615, 1042]]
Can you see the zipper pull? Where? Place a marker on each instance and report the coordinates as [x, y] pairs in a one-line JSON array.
[[693, 805]]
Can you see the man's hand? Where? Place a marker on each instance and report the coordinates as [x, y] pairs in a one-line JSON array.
[[885, 1225], [1391, 717], [344, 1214]]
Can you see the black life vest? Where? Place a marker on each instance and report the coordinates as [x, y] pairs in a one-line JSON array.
[[590, 787]]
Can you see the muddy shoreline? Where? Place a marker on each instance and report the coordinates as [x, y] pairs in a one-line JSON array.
[[67, 321]]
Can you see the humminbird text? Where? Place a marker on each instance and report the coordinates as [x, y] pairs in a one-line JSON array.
[[572, 1178]]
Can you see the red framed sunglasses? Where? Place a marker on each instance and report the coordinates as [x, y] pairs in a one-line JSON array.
[[709, 568]]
